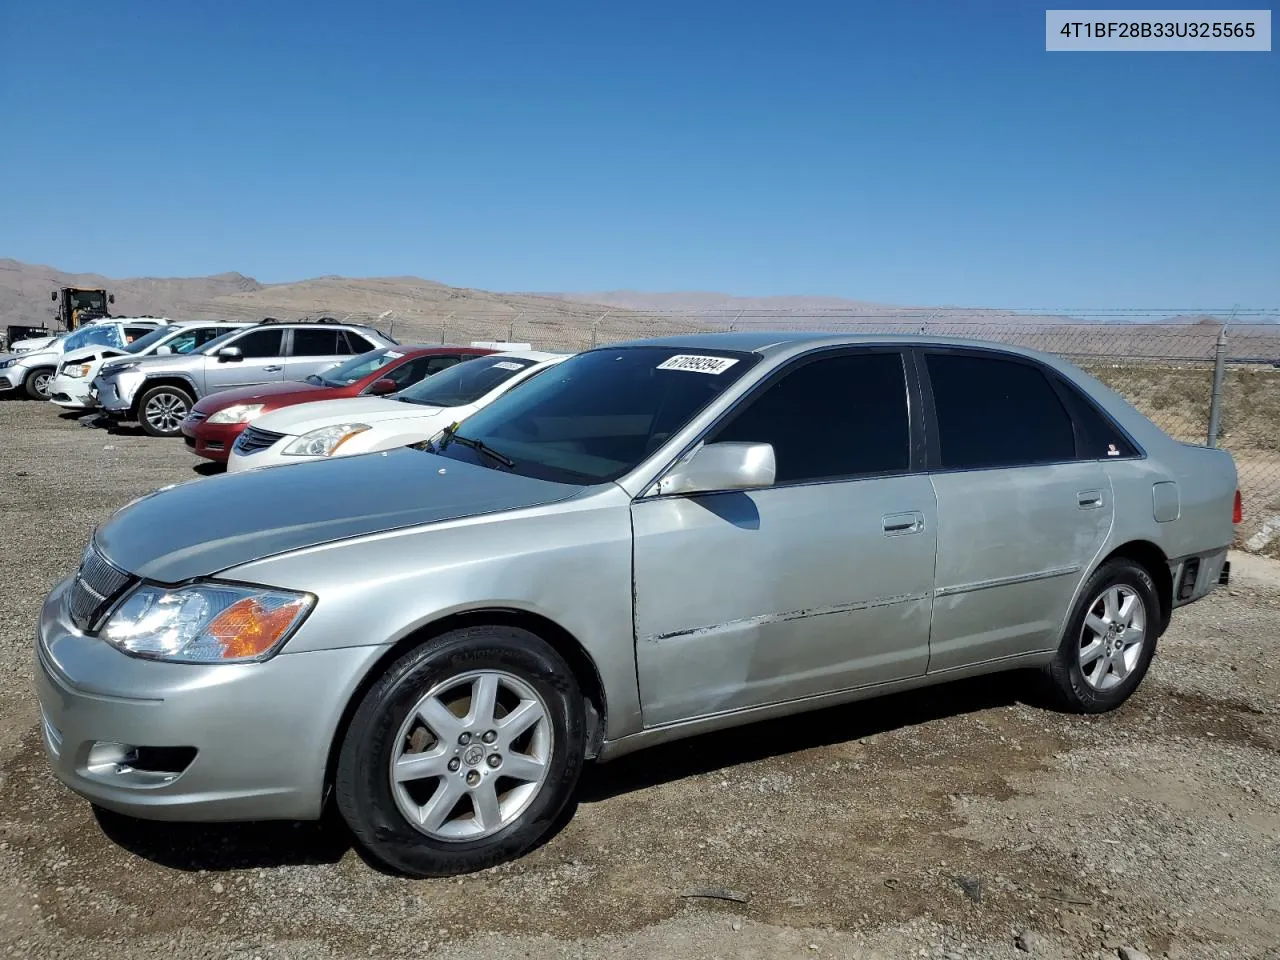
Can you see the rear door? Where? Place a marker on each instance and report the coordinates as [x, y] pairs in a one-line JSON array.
[[1023, 511], [312, 349], [816, 584], [261, 361]]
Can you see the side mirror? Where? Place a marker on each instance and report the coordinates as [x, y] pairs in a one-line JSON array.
[[54, 298], [111, 298], [381, 388], [230, 355], [722, 466], [164, 351]]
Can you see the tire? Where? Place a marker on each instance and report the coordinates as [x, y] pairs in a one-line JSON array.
[[454, 833], [37, 383], [1097, 668], [162, 409]]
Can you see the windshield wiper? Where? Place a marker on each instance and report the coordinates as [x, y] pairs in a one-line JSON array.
[[479, 446]]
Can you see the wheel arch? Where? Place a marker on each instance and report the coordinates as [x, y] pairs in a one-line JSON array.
[[1152, 559], [561, 640]]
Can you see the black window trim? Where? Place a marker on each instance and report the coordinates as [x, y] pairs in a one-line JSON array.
[[1056, 383], [917, 463]]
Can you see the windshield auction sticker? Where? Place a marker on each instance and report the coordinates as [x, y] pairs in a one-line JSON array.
[[1118, 31], [693, 363]]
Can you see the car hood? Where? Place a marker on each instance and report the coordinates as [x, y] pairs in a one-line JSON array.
[[297, 420], [89, 353], [204, 526], [38, 355], [275, 394]]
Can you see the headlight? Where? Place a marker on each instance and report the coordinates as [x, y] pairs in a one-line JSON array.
[[205, 623], [8, 363], [237, 413], [77, 370], [324, 441], [119, 368]]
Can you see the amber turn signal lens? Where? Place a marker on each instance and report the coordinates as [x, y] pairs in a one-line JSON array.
[[247, 628]]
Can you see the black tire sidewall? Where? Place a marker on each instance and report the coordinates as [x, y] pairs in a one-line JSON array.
[[146, 398], [362, 786], [1066, 671]]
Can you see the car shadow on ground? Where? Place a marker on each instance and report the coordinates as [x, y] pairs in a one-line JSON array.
[[239, 846], [209, 468]]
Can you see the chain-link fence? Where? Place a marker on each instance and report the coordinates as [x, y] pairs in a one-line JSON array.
[[1165, 369]]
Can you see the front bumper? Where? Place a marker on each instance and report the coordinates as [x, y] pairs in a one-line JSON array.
[[11, 378], [240, 741], [211, 440], [116, 393], [74, 393]]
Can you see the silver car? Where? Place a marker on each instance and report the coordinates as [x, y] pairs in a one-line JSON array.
[[159, 391], [652, 540]]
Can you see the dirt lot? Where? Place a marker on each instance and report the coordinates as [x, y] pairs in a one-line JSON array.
[[960, 822]]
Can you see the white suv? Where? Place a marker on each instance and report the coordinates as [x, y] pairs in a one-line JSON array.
[[33, 370]]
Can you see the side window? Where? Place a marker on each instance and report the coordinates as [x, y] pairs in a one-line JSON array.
[[413, 371], [840, 417], [436, 364], [133, 333], [354, 343], [994, 412], [203, 335], [315, 342], [259, 343], [1097, 438]]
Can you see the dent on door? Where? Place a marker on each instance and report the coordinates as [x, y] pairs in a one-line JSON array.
[[750, 598]]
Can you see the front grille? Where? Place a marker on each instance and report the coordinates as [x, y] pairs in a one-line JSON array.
[[96, 584], [254, 440]]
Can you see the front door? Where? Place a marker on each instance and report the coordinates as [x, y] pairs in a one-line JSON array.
[[819, 583], [1023, 509], [260, 361]]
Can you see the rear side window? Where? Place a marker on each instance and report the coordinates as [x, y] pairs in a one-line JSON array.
[[840, 417], [136, 333], [309, 342], [259, 343], [996, 413], [354, 343], [1097, 437]]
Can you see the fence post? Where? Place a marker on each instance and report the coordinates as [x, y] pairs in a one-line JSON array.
[[511, 327], [444, 329], [596, 326], [1215, 401]]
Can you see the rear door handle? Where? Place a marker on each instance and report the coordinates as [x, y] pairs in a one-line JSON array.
[[1089, 499], [901, 524], [272, 369]]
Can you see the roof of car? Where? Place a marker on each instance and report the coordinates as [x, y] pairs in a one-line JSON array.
[[769, 343]]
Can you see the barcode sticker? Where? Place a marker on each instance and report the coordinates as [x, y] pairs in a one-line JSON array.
[[508, 365], [693, 363]]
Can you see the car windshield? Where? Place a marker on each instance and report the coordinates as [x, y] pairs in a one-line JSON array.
[[465, 382], [357, 368], [596, 416], [142, 343], [103, 335]]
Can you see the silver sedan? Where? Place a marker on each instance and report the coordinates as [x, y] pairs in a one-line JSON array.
[[648, 541]]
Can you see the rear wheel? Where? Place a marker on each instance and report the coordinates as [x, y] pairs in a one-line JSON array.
[[463, 753], [37, 383], [162, 409], [1109, 641]]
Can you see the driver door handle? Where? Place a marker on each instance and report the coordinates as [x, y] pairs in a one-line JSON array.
[[901, 524]]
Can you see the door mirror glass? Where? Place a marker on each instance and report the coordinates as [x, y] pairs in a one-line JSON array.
[[714, 467], [229, 354], [384, 386]]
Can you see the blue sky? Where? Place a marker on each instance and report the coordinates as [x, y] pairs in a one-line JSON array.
[[923, 153]]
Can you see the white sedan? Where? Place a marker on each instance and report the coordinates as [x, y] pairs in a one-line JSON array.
[[334, 428]]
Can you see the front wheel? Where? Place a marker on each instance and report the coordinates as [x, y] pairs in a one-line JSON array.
[[37, 384], [161, 410], [463, 753], [1109, 641]]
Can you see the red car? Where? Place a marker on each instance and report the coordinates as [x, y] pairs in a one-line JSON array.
[[214, 423]]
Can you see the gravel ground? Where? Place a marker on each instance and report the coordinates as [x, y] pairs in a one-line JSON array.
[[956, 822]]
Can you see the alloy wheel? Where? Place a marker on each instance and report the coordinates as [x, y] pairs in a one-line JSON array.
[[471, 755], [1112, 638], [40, 383], [165, 412]]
